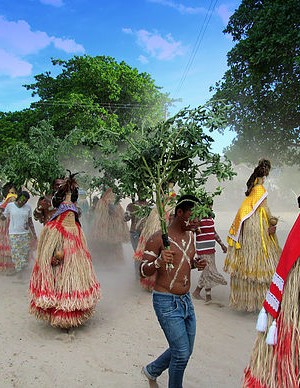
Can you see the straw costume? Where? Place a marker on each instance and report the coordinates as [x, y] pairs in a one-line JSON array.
[[109, 229], [63, 286], [275, 358], [253, 250], [6, 264]]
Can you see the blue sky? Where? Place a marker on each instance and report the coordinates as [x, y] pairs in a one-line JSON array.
[[180, 43]]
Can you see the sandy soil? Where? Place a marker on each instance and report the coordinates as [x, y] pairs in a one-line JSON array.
[[110, 350]]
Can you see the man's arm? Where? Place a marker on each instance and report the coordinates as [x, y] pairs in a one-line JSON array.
[[155, 256], [220, 242], [4, 213], [2, 216], [151, 261], [31, 227], [128, 212]]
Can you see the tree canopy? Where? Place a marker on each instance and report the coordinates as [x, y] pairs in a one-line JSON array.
[[88, 95], [89, 90], [262, 84], [176, 150]]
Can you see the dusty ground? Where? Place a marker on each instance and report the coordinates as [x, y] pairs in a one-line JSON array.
[[124, 334]]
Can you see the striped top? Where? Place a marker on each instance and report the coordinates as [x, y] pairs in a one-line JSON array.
[[205, 237]]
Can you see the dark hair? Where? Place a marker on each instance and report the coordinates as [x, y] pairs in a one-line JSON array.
[[7, 187], [262, 169], [68, 185], [23, 194], [298, 201], [186, 202]]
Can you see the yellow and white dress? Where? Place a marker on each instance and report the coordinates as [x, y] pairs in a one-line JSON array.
[[253, 253]]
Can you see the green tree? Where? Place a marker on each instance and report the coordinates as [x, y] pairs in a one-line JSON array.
[[176, 150], [90, 90], [36, 160], [14, 126], [262, 83]]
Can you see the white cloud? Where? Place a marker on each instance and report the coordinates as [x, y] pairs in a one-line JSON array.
[[183, 9], [161, 48], [17, 40], [143, 59], [67, 45], [127, 30], [55, 3], [13, 66], [224, 13]]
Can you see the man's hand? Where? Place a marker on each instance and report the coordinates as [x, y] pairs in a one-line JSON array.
[[224, 248], [44, 204], [272, 229], [167, 256], [200, 264]]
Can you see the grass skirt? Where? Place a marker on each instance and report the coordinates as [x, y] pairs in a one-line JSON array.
[[66, 294], [251, 267], [278, 366], [6, 263], [108, 224]]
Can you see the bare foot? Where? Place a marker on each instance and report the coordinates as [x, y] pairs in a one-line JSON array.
[[197, 296], [152, 383]]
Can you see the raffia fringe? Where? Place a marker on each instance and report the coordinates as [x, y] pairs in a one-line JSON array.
[[63, 319], [109, 226], [256, 260], [69, 287], [278, 366], [247, 295]]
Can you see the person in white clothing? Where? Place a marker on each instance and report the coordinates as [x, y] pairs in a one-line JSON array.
[[21, 225]]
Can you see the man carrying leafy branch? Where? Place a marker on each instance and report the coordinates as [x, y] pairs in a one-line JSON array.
[[171, 298]]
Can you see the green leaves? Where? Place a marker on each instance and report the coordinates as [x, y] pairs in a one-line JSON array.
[[177, 150], [35, 163], [262, 84]]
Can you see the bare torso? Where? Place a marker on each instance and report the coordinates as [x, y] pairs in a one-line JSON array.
[[178, 279]]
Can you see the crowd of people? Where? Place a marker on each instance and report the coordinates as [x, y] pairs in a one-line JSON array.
[[64, 289]]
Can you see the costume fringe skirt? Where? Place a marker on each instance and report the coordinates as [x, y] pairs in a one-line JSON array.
[[6, 263], [251, 267], [109, 225], [64, 291], [279, 365]]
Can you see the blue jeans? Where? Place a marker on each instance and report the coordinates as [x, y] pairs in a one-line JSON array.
[[134, 238], [176, 316]]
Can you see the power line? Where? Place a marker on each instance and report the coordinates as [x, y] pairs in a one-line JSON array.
[[199, 39], [101, 104]]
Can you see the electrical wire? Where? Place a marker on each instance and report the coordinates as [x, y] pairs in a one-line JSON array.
[[199, 40]]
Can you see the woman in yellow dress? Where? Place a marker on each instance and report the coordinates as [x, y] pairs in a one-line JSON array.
[[253, 250]]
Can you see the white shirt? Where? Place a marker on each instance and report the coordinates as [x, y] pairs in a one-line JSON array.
[[18, 218]]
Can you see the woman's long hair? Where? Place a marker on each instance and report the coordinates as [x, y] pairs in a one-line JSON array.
[[262, 169]]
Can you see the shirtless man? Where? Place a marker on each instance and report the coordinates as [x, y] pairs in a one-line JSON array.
[[171, 298]]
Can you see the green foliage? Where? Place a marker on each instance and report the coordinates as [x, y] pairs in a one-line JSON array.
[[35, 162], [88, 100], [262, 84], [90, 90], [177, 150]]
